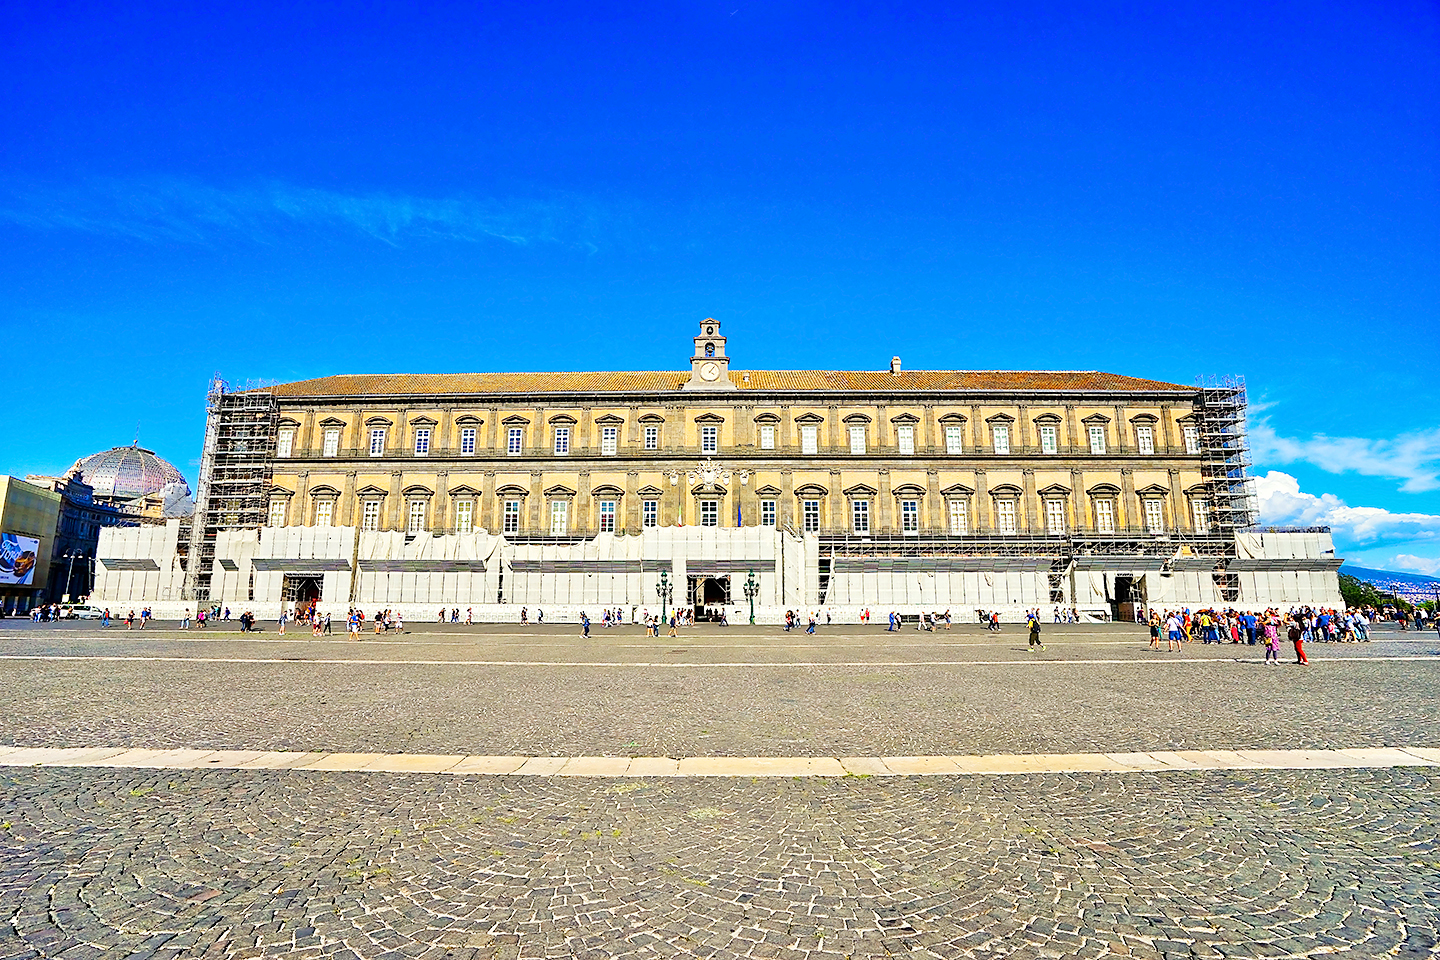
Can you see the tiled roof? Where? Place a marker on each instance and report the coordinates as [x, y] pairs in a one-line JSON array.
[[667, 381]]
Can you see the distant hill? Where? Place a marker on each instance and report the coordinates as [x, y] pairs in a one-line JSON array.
[[1412, 586]]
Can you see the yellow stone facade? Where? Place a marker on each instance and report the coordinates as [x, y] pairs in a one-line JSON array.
[[925, 452]]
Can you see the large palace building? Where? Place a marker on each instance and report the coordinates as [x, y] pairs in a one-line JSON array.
[[715, 487]]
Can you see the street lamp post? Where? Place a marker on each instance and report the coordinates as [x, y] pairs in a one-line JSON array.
[[752, 590], [69, 575], [663, 591]]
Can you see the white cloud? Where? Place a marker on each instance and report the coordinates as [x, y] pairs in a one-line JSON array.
[[1411, 457], [179, 211], [1430, 566], [1282, 502]]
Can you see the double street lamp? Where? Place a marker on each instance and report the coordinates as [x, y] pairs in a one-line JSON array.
[[663, 591]]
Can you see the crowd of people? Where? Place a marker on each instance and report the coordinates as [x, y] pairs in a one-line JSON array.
[[1270, 627]]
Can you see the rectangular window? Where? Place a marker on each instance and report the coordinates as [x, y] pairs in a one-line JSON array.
[[277, 513], [954, 439], [810, 515], [959, 517], [709, 513], [559, 517], [857, 440], [422, 442], [287, 442], [464, 516], [607, 516], [1005, 516], [609, 440], [514, 441], [1001, 433], [905, 437], [415, 522], [767, 513], [652, 438], [332, 441], [860, 511], [370, 515], [511, 514], [650, 513], [377, 443], [562, 441], [1200, 513], [1105, 516], [909, 516], [767, 436], [324, 513], [1192, 438], [1154, 515], [808, 442], [1054, 516], [1145, 440], [1049, 438], [709, 439], [467, 442], [1097, 439]]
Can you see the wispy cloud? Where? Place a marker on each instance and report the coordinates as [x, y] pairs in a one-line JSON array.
[[181, 211], [1283, 502], [1413, 458], [1430, 566]]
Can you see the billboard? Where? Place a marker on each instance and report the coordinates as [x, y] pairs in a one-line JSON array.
[[17, 559]]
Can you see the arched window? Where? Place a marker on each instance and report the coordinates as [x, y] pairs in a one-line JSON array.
[[709, 349]]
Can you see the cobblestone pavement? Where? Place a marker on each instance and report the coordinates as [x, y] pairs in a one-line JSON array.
[[227, 864], [853, 694], [236, 863]]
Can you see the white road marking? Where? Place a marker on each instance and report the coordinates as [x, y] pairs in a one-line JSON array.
[[1162, 761]]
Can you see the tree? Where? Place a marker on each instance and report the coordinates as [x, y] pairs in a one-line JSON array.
[[1359, 593]]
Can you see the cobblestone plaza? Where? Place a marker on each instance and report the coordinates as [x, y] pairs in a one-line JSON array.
[[178, 861]]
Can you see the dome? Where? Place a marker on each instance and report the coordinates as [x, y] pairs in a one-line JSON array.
[[123, 473]]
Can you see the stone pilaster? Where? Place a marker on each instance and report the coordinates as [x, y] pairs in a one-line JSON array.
[[980, 523], [886, 506], [1031, 522], [1127, 507]]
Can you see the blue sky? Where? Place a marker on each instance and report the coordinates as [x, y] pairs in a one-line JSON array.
[[287, 191]]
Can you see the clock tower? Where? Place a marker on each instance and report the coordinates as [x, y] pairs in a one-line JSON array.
[[709, 367]]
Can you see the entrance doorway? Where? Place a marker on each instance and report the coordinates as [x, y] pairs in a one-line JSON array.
[[708, 594], [301, 592], [1129, 596]]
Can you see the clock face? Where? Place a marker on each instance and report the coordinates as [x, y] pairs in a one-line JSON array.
[[709, 371]]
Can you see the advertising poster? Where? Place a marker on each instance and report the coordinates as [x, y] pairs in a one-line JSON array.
[[17, 559]]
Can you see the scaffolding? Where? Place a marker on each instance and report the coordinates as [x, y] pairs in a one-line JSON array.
[[1224, 453], [236, 469]]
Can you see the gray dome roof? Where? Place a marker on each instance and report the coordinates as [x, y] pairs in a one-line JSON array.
[[126, 472]]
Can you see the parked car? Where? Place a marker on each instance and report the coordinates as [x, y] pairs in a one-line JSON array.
[[80, 611]]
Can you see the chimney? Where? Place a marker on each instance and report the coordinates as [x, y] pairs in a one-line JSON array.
[[894, 366]]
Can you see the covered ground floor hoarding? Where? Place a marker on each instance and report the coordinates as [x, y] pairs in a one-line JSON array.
[[711, 570]]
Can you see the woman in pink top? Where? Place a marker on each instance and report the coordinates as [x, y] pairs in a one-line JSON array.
[[1272, 641]]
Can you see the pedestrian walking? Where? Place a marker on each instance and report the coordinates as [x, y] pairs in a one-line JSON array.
[[584, 624], [1035, 633], [1297, 637]]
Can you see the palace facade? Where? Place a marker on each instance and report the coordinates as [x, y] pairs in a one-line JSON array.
[[828, 452], [962, 473]]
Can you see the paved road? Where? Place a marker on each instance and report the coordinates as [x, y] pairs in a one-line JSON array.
[[116, 863]]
